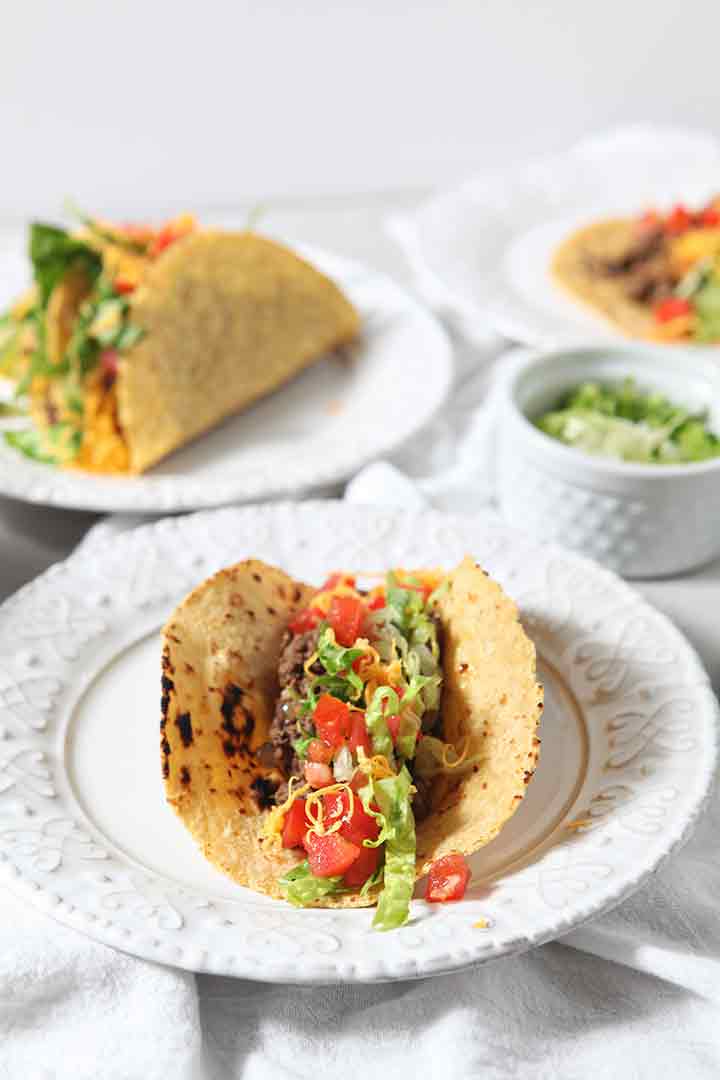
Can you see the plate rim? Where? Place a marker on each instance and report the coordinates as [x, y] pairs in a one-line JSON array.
[[53, 904]]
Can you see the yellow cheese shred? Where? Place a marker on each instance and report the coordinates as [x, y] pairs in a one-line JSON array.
[[273, 824], [315, 809]]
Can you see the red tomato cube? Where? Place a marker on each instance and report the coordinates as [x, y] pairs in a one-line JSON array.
[[330, 855], [295, 825], [332, 720], [346, 616], [447, 879], [319, 752], [355, 827], [306, 620], [359, 734], [362, 868]]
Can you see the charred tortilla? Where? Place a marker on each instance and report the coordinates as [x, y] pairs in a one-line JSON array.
[[220, 656]]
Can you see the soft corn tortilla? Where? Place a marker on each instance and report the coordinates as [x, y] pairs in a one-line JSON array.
[[228, 317], [572, 268], [220, 653]]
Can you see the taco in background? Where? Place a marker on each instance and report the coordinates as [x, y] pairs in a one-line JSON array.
[[330, 747], [656, 276], [134, 341]]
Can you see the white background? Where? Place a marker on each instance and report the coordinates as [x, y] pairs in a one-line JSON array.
[[152, 106]]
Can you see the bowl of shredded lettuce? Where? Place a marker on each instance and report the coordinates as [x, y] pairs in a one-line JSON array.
[[614, 452], [625, 422]]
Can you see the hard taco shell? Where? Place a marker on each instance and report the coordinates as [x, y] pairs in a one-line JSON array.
[[220, 655], [228, 317]]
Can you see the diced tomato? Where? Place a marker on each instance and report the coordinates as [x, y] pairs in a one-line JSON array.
[[447, 879], [319, 752], [339, 579], [332, 720], [318, 775], [295, 825], [345, 617], [678, 220], [123, 285], [355, 827], [359, 734], [109, 362], [672, 308], [358, 781], [306, 620], [377, 602], [330, 855], [169, 233], [710, 217], [393, 723], [362, 868]]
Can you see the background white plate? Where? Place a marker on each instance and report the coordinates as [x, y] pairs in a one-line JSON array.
[[316, 430], [629, 744], [485, 249]]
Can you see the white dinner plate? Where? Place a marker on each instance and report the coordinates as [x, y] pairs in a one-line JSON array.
[[628, 750], [485, 249], [315, 431]]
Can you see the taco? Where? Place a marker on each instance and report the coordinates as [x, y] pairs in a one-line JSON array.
[[133, 341], [656, 276], [330, 747]]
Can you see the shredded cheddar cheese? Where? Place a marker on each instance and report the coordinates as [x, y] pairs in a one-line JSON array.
[[315, 809], [273, 824], [377, 766]]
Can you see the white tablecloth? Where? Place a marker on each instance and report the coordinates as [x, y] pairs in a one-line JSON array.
[[635, 994]]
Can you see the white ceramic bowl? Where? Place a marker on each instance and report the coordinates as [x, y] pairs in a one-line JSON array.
[[640, 520]]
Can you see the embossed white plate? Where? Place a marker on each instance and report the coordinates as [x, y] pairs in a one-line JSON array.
[[315, 431], [484, 250], [629, 743]]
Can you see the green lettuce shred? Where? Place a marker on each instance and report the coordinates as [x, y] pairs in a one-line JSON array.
[[302, 888], [393, 797], [385, 702]]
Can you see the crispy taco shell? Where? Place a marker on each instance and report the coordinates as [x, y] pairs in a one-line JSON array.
[[228, 317], [572, 268], [220, 656]]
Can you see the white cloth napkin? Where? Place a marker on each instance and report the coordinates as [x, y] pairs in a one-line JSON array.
[[633, 995]]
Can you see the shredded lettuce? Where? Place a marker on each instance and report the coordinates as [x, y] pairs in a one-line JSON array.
[[300, 746], [339, 679], [302, 887], [707, 309], [53, 252], [385, 702], [621, 421], [393, 797], [28, 442]]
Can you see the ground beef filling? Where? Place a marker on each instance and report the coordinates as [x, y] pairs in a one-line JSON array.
[[643, 268], [289, 724]]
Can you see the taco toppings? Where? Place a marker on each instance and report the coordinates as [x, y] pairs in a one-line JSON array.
[[657, 276], [359, 693], [330, 746], [133, 340]]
